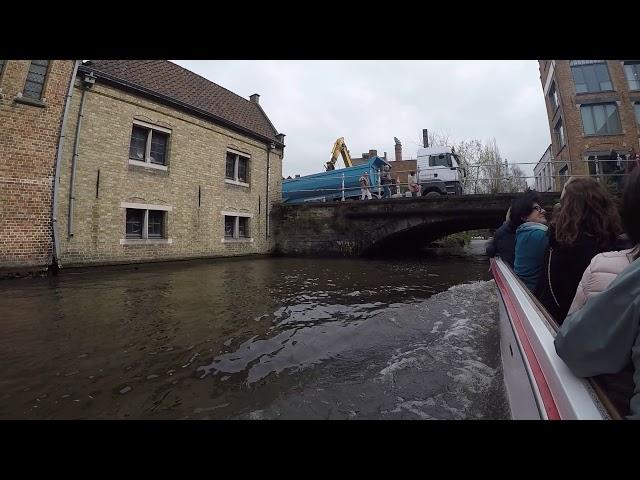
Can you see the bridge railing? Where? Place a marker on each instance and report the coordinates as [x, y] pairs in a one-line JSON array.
[[619, 168]]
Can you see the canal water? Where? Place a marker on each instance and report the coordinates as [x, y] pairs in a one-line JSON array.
[[256, 338]]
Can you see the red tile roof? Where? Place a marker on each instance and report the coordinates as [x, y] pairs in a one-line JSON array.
[[170, 80]]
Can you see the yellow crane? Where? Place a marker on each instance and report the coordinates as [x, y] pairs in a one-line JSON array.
[[339, 148]]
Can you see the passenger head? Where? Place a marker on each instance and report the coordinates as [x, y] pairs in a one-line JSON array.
[[585, 206], [527, 208], [631, 207]]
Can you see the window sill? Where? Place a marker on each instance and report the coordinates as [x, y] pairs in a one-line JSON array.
[[146, 241], [237, 240], [30, 101], [595, 135], [138, 163], [578, 94], [235, 182]]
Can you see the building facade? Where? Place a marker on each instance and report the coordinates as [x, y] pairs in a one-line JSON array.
[[162, 164], [543, 172], [593, 108], [32, 100]]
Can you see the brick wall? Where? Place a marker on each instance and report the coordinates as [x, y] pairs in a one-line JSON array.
[[28, 143], [578, 145], [197, 151]]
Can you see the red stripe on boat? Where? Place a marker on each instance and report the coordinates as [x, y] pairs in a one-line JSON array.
[[516, 314]]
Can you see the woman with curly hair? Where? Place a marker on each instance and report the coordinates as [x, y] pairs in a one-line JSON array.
[[587, 224]]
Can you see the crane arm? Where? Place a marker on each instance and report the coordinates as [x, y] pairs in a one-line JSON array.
[[339, 148]]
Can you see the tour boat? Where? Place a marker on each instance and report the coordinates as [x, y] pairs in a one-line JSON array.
[[538, 384]]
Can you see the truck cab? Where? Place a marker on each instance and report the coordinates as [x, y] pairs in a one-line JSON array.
[[439, 171]]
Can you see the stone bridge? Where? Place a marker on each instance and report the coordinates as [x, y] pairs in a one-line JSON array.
[[390, 226]]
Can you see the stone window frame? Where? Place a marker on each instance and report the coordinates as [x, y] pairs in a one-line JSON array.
[[147, 155], [560, 134], [145, 240], [236, 238], [554, 99], [35, 102], [235, 180]]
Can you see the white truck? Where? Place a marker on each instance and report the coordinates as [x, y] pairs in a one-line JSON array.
[[439, 172]]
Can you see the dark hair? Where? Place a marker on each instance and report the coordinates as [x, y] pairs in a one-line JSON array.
[[587, 207], [522, 206], [631, 207]]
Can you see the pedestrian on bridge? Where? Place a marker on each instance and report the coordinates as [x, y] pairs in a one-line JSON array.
[[414, 186], [364, 186]]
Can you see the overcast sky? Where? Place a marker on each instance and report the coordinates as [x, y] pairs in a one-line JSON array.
[[314, 102]]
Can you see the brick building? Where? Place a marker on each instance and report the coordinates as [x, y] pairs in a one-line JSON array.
[[593, 107], [162, 164], [32, 101]]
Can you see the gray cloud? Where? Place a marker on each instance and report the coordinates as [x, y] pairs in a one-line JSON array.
[[369, 102]]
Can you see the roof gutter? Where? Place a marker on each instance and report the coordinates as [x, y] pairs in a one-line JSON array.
[[56, 180], [145, 91]]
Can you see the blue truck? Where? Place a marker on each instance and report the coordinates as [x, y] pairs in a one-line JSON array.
[[327, 186]]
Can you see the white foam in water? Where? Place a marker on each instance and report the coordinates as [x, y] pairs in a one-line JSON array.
[[468, 313]]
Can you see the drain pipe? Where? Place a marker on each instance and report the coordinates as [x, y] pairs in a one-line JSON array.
[[87, 83], [56, 179]]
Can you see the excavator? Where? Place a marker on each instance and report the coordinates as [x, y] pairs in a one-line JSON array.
[[339, 148]]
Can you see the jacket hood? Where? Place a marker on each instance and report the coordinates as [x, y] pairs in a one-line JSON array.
[[529, 226]]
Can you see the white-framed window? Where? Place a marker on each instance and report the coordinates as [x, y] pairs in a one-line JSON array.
[[553, 97], [600, 119], [559, 133], [590, 76], [237, 227], [237, 168], [632, 72], [145, 224], [149, 146]]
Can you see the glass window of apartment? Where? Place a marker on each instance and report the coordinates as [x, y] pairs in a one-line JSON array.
[[553, 96], [143, 223], [229, 226], [237, 168], [590, 76], [231, 166], [632, 72], [135, 222], [35, 79], [149, 144], [559, 132], [600, 119], [156, 224], [243, 227], [236, 227]]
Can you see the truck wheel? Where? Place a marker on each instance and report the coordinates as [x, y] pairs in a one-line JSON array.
[[432, 195]]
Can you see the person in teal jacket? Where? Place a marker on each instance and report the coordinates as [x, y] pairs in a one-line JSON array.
[[531, 238], [603, 337]]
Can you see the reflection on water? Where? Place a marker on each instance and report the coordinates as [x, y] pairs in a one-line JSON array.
[[254, 338]]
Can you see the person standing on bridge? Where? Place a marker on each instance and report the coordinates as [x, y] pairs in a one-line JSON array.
[[587, 224], [414, 186], [531, 237], [364, 186]]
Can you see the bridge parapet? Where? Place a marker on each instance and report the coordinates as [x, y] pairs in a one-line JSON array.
[[356, 228]]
